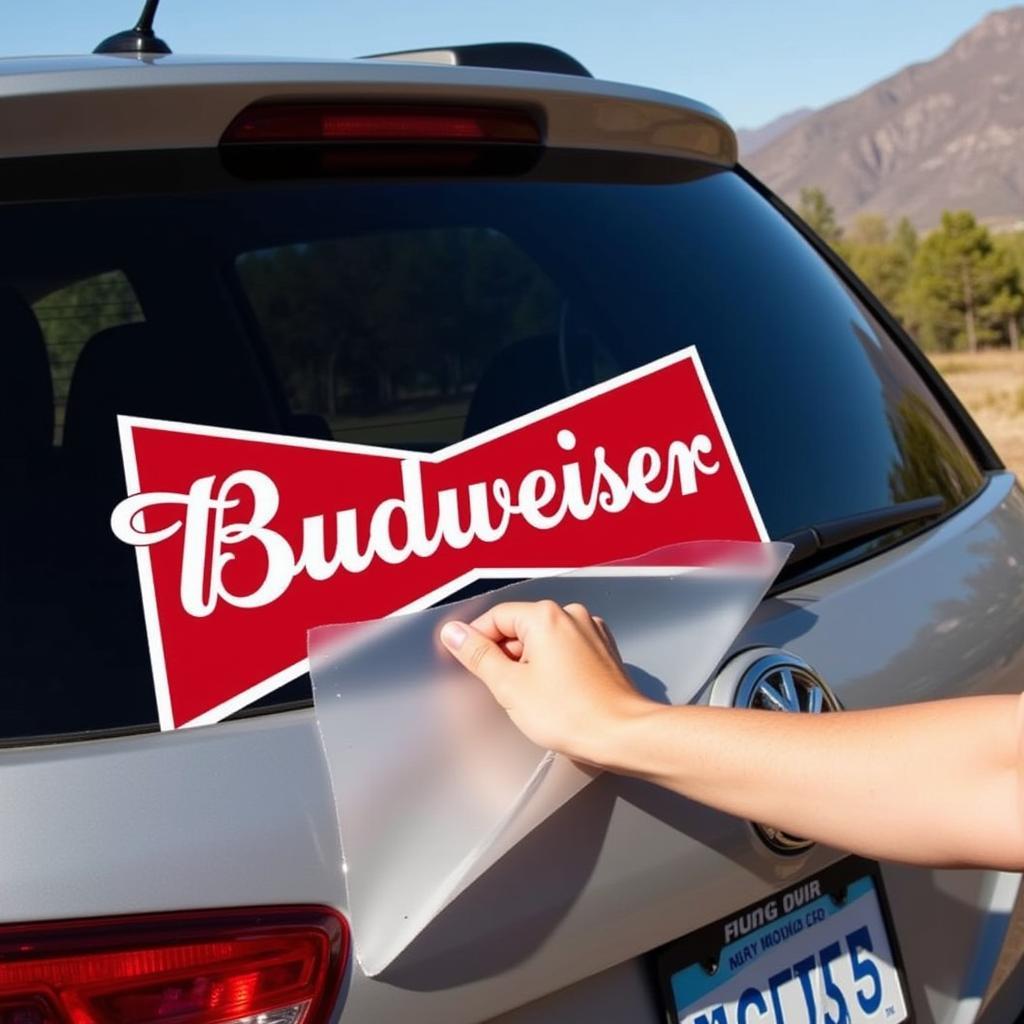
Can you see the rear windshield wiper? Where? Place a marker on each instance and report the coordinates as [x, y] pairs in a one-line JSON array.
[[851, 530]]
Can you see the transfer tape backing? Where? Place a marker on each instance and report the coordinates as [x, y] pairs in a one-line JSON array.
[[432, 782]]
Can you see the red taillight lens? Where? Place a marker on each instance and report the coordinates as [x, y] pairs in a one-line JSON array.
[[268, 966], [370, 123]]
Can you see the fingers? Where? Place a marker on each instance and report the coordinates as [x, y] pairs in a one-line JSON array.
[[608, 638], [478, 653], [513, 620], [513, 648], [594, 627], [497, 640], [509, 623], [579, 614]]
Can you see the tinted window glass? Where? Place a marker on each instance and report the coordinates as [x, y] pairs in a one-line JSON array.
[[407, 313], [828, 416], [70, 315], [385, 335]]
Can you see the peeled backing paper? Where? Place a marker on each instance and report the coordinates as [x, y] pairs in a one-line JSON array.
[[433, 783]]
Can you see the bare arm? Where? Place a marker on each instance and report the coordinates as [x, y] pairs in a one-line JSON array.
[[936, 783]]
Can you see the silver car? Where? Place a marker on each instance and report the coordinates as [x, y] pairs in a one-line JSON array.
[[402, 252]]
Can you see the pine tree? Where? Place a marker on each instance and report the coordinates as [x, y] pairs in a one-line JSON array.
[[957, 279], [906, 238], [880, 259], [820, 215], [1006, 306], [1009, 303]]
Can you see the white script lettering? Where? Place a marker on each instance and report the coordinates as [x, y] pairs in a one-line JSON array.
[[481, 511]]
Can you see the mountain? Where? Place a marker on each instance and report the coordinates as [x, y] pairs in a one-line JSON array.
[[943, 134], [753, 139]]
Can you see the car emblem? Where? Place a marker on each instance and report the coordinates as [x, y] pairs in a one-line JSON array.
[[776, 681]]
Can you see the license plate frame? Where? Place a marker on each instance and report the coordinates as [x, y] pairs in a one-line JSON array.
[[707, 943]]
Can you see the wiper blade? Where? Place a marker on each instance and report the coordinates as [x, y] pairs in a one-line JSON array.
[[838, 533]]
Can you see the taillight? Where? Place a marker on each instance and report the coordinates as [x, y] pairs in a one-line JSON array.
[[375, 123], [277, 965]]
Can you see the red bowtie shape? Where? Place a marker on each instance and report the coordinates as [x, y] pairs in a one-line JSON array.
[[246, 540]]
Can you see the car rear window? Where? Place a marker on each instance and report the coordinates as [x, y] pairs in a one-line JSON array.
[[406, 313]]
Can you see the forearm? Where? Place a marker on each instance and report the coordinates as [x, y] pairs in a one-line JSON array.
[[930, 783], [933, 783]]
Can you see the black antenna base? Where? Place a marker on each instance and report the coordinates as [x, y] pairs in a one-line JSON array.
[[139, 40], [132, 41]]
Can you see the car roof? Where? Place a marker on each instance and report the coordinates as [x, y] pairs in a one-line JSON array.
[[103, 103]]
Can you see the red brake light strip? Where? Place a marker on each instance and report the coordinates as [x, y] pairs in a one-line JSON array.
[[376, 123]]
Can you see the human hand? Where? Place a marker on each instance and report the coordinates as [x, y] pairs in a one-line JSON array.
[[556, 671]]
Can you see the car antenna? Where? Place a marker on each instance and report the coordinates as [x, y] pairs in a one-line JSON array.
[[139, 40]]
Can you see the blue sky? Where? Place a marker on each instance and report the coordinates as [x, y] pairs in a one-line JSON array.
[[752, 59]]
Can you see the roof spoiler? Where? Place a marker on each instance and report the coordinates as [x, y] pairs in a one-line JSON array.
[[510, 56]]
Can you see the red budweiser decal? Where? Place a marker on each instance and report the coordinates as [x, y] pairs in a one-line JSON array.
[[246, 540]]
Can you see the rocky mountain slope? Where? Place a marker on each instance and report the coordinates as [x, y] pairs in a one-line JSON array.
[[944, 134], [753, 139]]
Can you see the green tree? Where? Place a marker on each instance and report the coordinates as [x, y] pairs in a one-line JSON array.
[[906, 240], [1012, 245], [869, 229], [955, 294], [820, 215], [1006, 307], [881, 259]]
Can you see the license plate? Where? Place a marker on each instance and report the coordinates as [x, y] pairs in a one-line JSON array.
[[820, 952]]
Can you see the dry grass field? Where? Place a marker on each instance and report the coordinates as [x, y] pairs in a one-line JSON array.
[[991, 385]]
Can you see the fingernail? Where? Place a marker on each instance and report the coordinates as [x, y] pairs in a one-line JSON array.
[[453, 635]]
